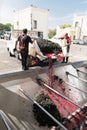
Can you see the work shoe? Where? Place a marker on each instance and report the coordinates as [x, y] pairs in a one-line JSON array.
[[26, 68]]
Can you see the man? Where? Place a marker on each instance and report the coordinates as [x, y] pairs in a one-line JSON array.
[[68, 39], [65, 44], [24, 39]]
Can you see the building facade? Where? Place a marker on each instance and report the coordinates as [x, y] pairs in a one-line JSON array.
[[60, 32], [80, 24], [34, 19]]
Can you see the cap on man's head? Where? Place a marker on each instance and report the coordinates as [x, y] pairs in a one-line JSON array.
[[25, 31]]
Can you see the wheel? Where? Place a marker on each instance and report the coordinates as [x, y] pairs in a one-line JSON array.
[[11, 55]]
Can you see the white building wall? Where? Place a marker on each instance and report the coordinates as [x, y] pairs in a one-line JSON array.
[[84, 27], [60, 32], [41, 16], [81, 30], [24, 19]]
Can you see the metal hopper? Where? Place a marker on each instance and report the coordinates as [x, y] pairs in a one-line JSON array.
[[66, 85]]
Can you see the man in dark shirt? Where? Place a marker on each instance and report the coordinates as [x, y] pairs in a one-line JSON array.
[[24, 54], [68, 45]]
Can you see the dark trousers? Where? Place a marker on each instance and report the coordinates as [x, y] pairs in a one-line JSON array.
[[68, 48], [65, 59], [24, 57]]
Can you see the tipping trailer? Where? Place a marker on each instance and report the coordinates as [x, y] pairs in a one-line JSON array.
[[66, 85]]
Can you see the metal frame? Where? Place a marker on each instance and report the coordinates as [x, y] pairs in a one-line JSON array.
[[5, 122], [54, 119]]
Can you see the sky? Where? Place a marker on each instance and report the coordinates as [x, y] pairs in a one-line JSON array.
[[60, 11]]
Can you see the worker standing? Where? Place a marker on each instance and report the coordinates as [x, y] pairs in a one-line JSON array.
[[65, 45], [68, 40], [24, 41]]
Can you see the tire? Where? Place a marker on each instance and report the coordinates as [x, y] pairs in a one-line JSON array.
[[19, 57], [11, 55], [7, 49]]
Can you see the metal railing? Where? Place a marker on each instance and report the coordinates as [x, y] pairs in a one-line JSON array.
[[4, 121], [74, 87], [58, 93], [81, 71], [80, 108], [54, 119], [76, 77]]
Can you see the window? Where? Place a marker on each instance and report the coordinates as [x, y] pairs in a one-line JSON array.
[[35, 24], [76, 24], [40, 34]]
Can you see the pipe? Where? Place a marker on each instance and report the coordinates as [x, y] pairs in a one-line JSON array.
[[60, 95], [4, 120], [81, 71], [76, 77], [74, 87], [54, 119]]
